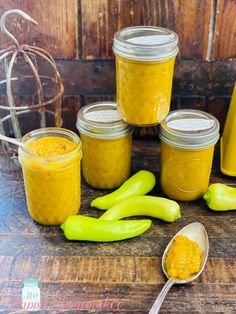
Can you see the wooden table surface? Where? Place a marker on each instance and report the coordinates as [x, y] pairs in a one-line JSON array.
[[120, 277]]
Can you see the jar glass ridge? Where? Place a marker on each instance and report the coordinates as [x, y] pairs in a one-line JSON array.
[[107, 142], [188, 138], [145, 57]]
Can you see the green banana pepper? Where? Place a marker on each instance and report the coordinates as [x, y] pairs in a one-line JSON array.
[[144, 205], [92, 229], [139, 184], [220, 197]]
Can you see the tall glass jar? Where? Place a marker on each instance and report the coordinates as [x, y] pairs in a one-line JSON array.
[[107, 142], [145, 57], [188, 138], [52, 176]]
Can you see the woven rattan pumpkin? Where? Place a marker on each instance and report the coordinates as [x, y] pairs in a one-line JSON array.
[[25, 68]]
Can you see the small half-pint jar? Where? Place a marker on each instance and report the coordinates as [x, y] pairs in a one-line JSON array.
[[52, 174], [145, 57], [107, 143], [188, 138]]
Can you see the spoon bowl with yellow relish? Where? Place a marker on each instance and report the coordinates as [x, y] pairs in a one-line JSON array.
[[183, 259]]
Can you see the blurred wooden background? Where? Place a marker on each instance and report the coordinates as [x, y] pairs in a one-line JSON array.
[[79, 33]]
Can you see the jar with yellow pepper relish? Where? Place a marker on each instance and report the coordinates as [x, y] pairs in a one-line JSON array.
[[188, 138], [52, 174], [145, 57], [107, 142]]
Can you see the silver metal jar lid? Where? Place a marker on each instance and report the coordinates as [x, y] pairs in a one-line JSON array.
[[101, 120], [189, 128], [145, 43]]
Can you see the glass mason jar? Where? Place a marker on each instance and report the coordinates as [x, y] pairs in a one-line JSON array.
[[52, 177], [145, 57], [188, 138], [107, 142]]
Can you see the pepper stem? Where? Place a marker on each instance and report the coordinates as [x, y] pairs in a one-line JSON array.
[[206, 197], [177, 215]]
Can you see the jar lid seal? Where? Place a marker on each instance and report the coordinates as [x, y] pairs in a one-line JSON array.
[[101, 120], [146, 43], [189, 128]]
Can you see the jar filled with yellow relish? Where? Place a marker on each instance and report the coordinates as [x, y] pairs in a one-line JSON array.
[[145, 57], [107, 143], [188, 138], [52, 174]]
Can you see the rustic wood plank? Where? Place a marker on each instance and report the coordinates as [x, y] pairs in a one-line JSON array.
[[15, 219], [101, 269], [115, 298], [101, 19], [192, 23], [23, 224], [191, 78], [83, 78], [8, 170], [88, 99], [204, 78], [224, 44], [70, 108], [57, 26], [106, 269], [58, 245], [194, 102], [145, 245], [9, 188], [218, 106]]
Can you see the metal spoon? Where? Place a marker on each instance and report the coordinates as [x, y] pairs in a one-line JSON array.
[[195, 232], [18, 143]]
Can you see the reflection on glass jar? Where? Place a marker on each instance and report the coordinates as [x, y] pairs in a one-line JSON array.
[[52, 177], [185, 173], [188, 139], [145, 59], [107, 142]]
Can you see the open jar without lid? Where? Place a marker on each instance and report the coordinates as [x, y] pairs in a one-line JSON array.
[[52, 175], [106, 144], [188, 138]]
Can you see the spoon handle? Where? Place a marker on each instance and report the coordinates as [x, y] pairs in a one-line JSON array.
[[17, 142], [157, 304], [9, 139]]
